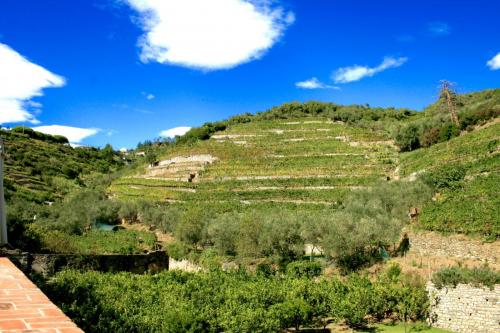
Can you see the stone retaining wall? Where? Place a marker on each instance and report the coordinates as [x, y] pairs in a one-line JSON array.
[[48, 264], [465, 308]]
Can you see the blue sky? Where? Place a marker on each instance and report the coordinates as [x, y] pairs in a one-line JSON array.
[[122, 71]]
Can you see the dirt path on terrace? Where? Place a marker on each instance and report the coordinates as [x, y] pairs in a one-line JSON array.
[[230, 178]]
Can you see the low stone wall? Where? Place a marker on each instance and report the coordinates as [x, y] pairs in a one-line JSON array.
[[465, 308], [48, 264]]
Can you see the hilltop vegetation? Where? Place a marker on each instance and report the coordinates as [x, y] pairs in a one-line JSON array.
[[434, 124]]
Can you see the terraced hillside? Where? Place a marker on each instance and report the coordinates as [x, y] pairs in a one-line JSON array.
[[293, 161], [41, 167], [466, 172]]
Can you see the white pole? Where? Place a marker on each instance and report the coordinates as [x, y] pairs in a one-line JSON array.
[[3, 213]]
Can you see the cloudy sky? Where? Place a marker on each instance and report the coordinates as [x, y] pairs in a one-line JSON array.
[[122, 71]]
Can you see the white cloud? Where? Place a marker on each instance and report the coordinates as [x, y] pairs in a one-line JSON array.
[[314, 83], [208, 35], [494, 63], [148, 95], [21, 80], [111, 132], [173, 132], [438, 29], [356, 72], [74, 134]]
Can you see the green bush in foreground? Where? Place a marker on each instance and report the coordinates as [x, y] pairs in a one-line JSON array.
[[452, 276], [217, 301]]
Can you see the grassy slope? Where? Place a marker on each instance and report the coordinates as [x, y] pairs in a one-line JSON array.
[[473, 207], [303, 160]]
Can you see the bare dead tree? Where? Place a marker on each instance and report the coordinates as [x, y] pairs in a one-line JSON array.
[[450, 95]]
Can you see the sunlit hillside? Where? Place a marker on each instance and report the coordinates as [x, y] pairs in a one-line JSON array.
[[297, 161]]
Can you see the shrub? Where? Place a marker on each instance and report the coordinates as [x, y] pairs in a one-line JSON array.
[[408, 138], [308, 269], [80, 211], [447, 132], [452, 276], [177, 250], [430, 137], [292, 313], [446, 177], [20, 216]]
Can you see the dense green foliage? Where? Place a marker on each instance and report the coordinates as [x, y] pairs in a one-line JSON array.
[[434, 125], [79, 211], [472, 209], [452, 276], [352, 233], [301, 175], [230, 302], [69, 226]]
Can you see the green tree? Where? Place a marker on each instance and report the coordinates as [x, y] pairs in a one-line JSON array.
[[408, 138]]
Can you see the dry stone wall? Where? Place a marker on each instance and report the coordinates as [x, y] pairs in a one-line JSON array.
[[465, 308], [180, 168]]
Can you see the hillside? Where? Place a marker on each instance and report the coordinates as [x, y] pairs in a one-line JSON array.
[[313, 157], [40, 167], [47, 180], [466, 174], [301, 175], [291, 198]]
